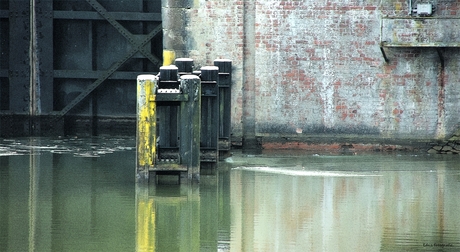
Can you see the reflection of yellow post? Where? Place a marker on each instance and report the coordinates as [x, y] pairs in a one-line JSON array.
[[168, 57], [145, 221], [146, 124], [175, 217]]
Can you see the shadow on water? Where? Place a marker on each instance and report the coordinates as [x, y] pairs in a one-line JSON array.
[[80, 195]]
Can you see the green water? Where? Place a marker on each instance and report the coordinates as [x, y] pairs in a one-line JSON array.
[[80, 195]]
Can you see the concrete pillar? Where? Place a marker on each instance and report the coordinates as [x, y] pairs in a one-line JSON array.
[[175, 16], [249, 71]]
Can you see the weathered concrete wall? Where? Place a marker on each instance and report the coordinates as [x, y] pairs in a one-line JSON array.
[[314, 68]]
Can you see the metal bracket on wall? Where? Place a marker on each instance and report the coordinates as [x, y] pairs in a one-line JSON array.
[[138, 42], [384, 54], [441, 56], [439, 50]]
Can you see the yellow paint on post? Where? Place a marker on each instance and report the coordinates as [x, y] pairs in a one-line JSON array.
[[168, 57], [146, 122]]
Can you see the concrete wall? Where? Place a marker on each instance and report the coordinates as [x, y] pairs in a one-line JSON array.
[[308, 68]]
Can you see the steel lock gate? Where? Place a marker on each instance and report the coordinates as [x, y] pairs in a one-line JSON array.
[[67, 67]]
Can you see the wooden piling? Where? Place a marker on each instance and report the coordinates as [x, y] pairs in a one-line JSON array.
[[185, 65], [209, 117], [225, 97], [146, 125], [190, 118]]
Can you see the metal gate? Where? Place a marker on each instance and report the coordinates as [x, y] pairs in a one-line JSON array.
[[70, 67]]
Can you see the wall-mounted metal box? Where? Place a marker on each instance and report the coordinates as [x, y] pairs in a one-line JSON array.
[[424, 9]]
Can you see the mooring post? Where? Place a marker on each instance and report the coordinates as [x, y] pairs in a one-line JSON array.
[[184, 66], [225, 97], [179, 120], [209, 116], [146, 125], [190, 130], [167, 112]]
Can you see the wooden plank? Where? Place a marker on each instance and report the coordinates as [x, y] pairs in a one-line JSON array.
[[171, 97]]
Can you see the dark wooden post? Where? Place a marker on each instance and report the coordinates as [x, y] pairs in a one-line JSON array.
[[190, 125], [184, 66], [209, 116], [225, 100]]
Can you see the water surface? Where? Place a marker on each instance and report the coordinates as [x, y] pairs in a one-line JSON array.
[[79, 195]]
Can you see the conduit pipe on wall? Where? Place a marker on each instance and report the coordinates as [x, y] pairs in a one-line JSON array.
[[409, 11]]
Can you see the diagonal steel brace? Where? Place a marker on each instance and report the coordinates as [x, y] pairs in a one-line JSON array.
[[109, 72], [138, 46], [122, 30]]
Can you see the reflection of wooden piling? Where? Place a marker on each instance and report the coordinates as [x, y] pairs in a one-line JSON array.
[[145, 220], [146, 124], [163, 212]]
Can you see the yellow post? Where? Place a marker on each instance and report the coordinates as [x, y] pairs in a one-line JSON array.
[[168, 57], [146, 125]]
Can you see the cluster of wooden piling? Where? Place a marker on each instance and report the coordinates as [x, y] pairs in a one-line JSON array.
[[183, 119]]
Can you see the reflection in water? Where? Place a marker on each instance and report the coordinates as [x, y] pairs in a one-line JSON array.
[[80, 195], [188, 217], [403, 206], [57, 202]]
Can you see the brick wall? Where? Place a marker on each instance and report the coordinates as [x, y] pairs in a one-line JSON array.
[[318, 68]]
